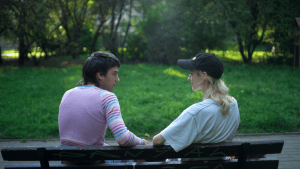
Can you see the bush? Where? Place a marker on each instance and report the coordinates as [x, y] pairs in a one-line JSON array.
[[281, 59], [136, 47]]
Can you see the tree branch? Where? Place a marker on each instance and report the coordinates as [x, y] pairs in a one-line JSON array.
[[120, 16], [128, 25], [112, 24]]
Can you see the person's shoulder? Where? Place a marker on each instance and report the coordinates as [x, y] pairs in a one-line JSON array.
[[203, 104], [106, 95], [198, 107], [71, 90], [234, 101], [105, 92]]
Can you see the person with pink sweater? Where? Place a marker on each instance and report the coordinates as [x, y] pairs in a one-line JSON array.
[[86, 111]]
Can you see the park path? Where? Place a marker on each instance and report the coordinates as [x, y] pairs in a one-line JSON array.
[[288, 159]]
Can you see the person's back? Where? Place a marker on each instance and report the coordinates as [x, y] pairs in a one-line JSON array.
[[202, 123], [216, 127], [87, 110], [213, 120], [82, 117]]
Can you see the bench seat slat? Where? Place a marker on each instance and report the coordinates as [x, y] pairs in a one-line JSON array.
[[270, 163]]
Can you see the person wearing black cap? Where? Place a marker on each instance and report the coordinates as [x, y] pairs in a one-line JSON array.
[[213, 120]]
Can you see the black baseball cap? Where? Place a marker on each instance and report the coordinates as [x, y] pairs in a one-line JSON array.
[[206, 62]]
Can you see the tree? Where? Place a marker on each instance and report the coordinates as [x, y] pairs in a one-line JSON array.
[[178, 29], [202, 32], [100, 10], [16, 25], [23, 21], [72, 15], [4, 19], [111, 37], [163, 26], [127, 30], [248, 19], [282, 34], [42, 32]]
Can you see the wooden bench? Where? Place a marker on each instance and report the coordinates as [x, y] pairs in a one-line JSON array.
[[155, 156]]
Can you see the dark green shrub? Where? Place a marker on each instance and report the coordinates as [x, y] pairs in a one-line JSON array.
[[136, 47]]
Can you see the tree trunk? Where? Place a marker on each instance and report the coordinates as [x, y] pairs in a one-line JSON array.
[[21, 36], [112, 46], [113, 36], [241, 48], [21, 51], [126, 33], [75, 50], [36, 60], [45, 50], [96, 36], [112, 24], [26, 49], [250, 56], [1, 56]]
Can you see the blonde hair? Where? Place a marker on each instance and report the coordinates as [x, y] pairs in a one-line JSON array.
[[218, 92]]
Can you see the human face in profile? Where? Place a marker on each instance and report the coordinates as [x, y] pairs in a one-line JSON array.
[[109, 81], [195, 80]]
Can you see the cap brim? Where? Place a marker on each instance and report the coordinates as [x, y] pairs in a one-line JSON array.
[[185, 64]]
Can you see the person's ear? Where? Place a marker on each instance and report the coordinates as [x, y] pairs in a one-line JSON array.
[[204, 74], [99, 76]]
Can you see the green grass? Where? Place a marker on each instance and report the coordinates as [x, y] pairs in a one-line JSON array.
[[151, 97]]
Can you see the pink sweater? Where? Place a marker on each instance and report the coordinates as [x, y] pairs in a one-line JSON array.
[[84, 114]]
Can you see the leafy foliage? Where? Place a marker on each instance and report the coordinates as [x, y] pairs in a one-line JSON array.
[[248, 20], [167, 30], [282, 34]]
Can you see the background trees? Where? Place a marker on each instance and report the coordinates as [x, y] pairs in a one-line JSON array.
[[21, 23], [72, 16], [282, 33], [158, 31], [178, 29], [163, 27], [248, 20]]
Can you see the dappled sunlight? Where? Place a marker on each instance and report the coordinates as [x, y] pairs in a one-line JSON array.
[[173, 72], [235, 55], [228, 54], [10, 55], [7, 54]]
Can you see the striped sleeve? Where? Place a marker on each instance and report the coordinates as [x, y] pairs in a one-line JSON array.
[[115, 122]]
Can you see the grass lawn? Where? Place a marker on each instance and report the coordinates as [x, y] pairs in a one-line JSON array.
[[151, 97]]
